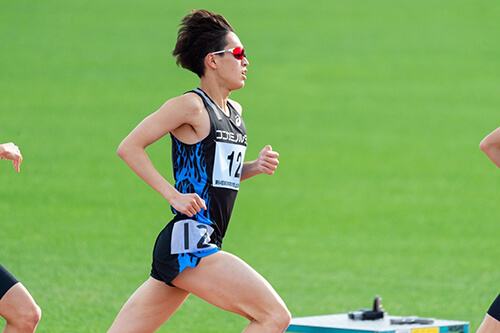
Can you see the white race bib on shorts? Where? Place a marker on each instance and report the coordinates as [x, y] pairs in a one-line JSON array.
[[190, 236]]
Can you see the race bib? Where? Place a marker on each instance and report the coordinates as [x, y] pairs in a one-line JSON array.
[[228, 165], [190, 236]]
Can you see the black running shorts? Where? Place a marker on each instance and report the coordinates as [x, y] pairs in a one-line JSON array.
[[494, 310], [182, 243], [7, 280]]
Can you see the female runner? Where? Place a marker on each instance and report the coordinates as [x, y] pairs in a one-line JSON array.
[[208, 147]]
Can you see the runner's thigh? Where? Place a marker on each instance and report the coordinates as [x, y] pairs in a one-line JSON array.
[[227, 282], [149, 307], [16, 302]]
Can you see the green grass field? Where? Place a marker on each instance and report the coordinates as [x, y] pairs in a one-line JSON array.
[[376, 107]]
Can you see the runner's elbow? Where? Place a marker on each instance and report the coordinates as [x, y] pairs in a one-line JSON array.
[[122, 150], [484, 145]]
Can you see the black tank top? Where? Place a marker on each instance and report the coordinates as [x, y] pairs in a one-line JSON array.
[[212, 167]]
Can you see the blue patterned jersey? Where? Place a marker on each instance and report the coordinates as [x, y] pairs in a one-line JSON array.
[[212, 167]]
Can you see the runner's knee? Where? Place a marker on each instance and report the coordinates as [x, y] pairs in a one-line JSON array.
[[277, 319], [27, 319], [282, 319]]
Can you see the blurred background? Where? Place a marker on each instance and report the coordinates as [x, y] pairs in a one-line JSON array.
[[376, 107]]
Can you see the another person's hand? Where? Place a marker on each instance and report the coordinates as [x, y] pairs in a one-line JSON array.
[[11, 152]]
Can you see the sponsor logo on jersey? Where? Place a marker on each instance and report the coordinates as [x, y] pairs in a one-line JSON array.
[[237, 119], [226, 136]]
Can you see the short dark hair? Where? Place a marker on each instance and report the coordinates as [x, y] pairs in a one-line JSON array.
[[200, 33]]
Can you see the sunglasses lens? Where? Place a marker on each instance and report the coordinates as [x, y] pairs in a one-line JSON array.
[[239, 53]]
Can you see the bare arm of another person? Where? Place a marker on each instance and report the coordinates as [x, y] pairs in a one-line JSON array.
[[491, 146]]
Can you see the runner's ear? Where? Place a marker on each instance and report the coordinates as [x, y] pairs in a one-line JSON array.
[[210, 61]]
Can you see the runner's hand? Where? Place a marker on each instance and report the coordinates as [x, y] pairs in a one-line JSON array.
[[267, 162], [188, 204]]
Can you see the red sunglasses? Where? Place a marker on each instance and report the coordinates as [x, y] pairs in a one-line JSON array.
[[238, 52]]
